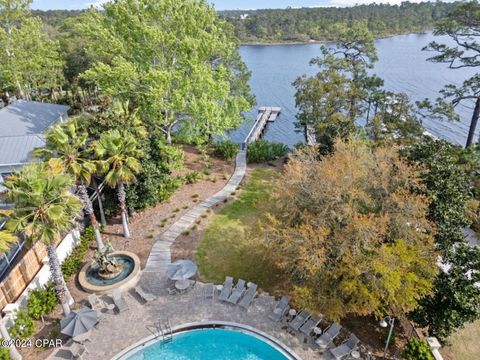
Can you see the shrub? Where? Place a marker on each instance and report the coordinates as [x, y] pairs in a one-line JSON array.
[[73, 262], [4, 353], [393, 338], [24, 325], [417, 350], [193, 177], [153, 186], [41, 302], [225, 149], [263, 151]]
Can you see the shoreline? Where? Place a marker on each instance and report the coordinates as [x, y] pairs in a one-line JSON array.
[[316, 42]]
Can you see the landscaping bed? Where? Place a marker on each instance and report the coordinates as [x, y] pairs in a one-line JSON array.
[[145, 227]]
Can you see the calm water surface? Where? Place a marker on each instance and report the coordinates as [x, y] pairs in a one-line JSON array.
[[402, 64]]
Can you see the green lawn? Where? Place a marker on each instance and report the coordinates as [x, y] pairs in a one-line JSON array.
[[225, 249]]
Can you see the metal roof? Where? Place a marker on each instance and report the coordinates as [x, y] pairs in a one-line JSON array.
[[16, 150], [21, 126], [29, 117]]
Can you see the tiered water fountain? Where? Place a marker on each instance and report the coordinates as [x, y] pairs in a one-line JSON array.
[[110, 269]]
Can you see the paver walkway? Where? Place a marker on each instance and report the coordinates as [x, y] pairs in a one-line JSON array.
[[153, 276]]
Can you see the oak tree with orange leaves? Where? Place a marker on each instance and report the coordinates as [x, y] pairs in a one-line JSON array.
[[351, 231]]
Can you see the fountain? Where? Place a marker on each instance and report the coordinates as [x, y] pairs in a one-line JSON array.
[[110, 269]]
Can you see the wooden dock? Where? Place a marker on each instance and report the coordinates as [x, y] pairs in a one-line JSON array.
[[265, 115]]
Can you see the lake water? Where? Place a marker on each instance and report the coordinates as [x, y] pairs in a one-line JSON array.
[[402, 64]]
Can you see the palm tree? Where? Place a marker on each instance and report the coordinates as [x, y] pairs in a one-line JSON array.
[[67, 147], [119, 163], [44, 210], [6, 240]]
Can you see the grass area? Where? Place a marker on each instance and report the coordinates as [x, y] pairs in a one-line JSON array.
[[465, 344], [225, 247]]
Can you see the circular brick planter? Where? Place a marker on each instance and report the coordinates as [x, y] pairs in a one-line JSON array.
[[125, 284]]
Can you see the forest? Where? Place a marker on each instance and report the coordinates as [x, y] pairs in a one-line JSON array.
[[315, 24], [310, 24]]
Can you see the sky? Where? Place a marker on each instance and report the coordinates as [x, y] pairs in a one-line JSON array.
[[219, 4]]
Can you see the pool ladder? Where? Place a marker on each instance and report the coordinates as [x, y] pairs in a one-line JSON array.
[[165, 331]]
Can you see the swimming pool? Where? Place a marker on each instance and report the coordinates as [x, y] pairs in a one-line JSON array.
[[211, 344]]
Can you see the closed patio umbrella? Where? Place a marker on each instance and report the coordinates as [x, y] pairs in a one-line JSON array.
[[78, 322], [181, 270]]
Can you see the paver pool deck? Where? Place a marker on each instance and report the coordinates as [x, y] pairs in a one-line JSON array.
[[119, 331], [116, 332]]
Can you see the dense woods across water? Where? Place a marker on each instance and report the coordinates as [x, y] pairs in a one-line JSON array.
[[305, 24]]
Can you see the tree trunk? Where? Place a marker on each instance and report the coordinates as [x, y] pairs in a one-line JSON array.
[[473, 123], [21, 94], [123, 209], [100, 203], [169, 136], [368, 112], [14, 354], [57, 278], [88, 207]]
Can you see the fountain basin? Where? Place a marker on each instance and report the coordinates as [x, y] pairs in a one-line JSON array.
[[92, 282]]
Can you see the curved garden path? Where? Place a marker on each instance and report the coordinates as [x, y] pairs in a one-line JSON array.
[[153, 276]]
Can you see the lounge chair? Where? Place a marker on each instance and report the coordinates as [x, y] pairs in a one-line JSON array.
[[77, 350], [96, 303], [209, 291], [99, 305], [146, 296], [237, 292], [83, 338], [280, 309], [346, 348], [248, 296], [309, 325], [328, 335], [226, 290], [119, 300], [299, 320]]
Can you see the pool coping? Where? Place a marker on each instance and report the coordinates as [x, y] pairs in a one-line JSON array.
[[151, 339]]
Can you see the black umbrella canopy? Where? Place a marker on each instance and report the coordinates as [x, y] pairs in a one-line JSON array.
[[78, 322]]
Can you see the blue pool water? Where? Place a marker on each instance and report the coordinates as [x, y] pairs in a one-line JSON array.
[[210, 344]]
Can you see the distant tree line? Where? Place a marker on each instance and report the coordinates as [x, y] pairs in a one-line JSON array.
[[306, 24]]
